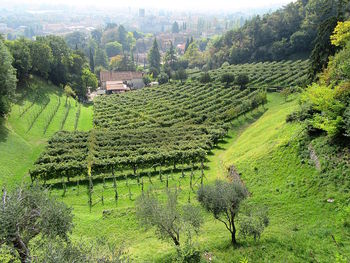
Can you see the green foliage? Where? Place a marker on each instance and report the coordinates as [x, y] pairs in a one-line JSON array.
[[194, 56], [7, 80], [41, 55], [163, 78], [146, 79], [101, 58], [181, 75], [113, 48], [205, 77], [22, 60], [154, 58], [169, 219], [223, 201], [341, 34], [227, 78], [27, 212], [89, 80], [242, 80], [253, 223]]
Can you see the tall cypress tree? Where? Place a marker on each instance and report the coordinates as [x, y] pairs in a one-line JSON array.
[[92, 62], [154, 58]]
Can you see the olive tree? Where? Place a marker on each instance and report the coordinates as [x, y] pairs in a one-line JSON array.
[[242, 80], [27, 212], [169, 219], [223, 200], [227, 78]]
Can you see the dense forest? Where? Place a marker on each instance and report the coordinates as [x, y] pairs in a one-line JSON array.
[[295, 31]]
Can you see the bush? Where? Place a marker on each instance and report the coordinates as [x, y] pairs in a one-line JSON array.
[[227, 78], [205, 77], [146, 79], [163, 78], [242, 80], [253, 224]]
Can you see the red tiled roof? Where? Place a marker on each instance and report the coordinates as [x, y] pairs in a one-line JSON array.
[[119, 75]]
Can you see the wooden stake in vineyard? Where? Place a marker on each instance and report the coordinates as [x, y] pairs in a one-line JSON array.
[[115, 185]]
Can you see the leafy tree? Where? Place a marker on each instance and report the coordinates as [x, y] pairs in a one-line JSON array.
[[332, 12], [253, 223], [227, 78], [77, 39], [22, 60], [101, 58], [170, 57], [205, 77], [89, 80], [341, 34], [122, 37], [170, 220], [61, 54], [7, 79], [154, 57], [242, 80], [181, 74], [193, 55], [96, 35], [113, 48], [42, 58], [163, 78], [28, 212], [175, 28], [223, 200]]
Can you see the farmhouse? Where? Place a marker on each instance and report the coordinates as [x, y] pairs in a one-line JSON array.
[[116, 87], [121, 81]]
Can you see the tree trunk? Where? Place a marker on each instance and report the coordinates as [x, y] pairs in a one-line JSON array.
[[233, 232], [22, 249]]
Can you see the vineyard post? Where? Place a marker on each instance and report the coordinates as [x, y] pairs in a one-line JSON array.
[[78, 186], [167, 180], [149, 177], [202, 173], [160, 173], [115, 185], [64, 187], [191, 177], [142, 185]]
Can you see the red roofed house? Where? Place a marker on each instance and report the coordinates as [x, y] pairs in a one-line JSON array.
[[121, 81]]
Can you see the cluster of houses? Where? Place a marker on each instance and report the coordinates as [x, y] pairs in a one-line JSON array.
[[112, 82]]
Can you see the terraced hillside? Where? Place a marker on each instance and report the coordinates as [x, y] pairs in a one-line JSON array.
[[36, 116], [267, 75], [162, 126]]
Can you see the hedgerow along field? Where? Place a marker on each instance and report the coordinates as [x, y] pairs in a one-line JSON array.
[[35, 117]]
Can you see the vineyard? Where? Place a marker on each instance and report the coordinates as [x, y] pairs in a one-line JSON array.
[[267, 75], [132, 132], [158, 128]]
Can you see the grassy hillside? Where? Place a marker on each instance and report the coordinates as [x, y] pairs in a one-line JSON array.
[[265, 150], [304, 227], [22, 136]]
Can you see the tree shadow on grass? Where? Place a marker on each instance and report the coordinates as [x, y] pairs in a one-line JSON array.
[[3, 130]]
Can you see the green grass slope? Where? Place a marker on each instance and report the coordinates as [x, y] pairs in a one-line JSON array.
[[22, 136], [264, 148]]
